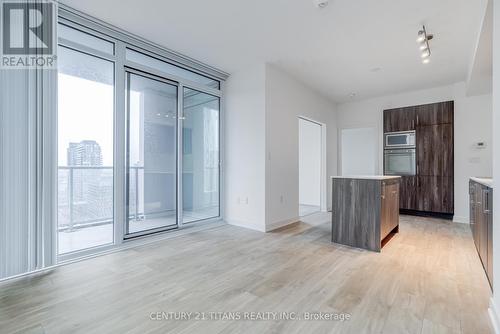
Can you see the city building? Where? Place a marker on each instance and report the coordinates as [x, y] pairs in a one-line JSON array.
[[84, 153]]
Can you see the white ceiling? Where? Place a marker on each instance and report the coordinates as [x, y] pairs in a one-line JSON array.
[[332, 50], [480, 79]]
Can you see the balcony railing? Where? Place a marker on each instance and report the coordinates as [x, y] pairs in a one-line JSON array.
[[85, 196]]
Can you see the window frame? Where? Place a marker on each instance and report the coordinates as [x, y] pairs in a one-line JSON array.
[[123, 40], [72, 254]]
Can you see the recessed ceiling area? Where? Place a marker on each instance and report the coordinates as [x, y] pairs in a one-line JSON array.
[[363, 47]]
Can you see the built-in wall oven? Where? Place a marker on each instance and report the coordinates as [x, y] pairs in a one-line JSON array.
[[400, 153]]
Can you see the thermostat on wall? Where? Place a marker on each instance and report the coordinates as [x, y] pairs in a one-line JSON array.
[[480, 145]]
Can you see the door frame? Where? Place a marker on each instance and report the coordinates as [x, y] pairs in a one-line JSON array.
[[323, 163], [126, 235]]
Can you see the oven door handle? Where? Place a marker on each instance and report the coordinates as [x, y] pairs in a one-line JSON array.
[[406, 153]]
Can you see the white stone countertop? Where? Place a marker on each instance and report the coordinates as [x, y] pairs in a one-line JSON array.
[[485, 181], [368, 177]]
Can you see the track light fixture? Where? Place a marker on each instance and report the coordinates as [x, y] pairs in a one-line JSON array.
[[423, 41]]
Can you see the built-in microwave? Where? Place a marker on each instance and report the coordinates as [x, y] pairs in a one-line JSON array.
[[402, 139]]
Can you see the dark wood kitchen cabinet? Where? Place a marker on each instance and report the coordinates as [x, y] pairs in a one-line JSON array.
[[489, 267], [435, 194], [481, 224], [435, 113], [435, 161], [390, 207], [435, 150], [400, 119], [408, 193], [431, 190], [472, 210]]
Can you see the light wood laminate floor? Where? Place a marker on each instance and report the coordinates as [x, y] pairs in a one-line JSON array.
[[427, 279]]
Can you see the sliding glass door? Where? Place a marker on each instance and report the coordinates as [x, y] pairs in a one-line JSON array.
[[138, 138], [200, 156], [151, 154]]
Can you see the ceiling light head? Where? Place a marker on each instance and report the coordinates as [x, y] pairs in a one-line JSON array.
[[321, 3], [426, 54], [426, 60], [423, 46], [421, 36]]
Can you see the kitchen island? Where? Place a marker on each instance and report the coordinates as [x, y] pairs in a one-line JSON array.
[[365, 210]]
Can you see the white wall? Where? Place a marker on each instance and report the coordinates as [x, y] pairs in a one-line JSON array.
[[495, 302], [473, 117], [358, 151], [286, 100], [262, 146], [472, 124], [309, 163], [244, 156]]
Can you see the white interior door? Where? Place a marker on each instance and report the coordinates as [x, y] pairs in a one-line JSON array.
[[359, 151]]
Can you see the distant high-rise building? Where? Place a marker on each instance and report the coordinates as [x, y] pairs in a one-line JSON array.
[[90, 187], [84, 153]]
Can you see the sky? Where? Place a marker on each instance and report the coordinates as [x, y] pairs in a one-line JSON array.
[[85, 112]]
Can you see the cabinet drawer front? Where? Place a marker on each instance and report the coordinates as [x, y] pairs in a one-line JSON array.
[[390, 208]]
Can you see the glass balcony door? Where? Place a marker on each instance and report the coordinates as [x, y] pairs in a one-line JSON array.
[[200, 156], [152, 106]]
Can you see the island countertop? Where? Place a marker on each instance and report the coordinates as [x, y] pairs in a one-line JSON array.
[[368, 177], [485, 181]]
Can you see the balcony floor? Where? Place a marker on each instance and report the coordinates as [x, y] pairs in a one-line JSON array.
[[100, 235]]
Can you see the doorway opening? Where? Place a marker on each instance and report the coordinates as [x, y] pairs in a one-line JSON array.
[[310, 166]]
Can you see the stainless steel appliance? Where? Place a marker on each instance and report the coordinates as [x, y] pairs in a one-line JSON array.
[[400, 162], [400, 153], [403, 139]]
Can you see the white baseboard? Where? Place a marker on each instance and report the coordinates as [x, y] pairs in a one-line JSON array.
[[494, 316], [277, 225], [460, 220], [245, 224]]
